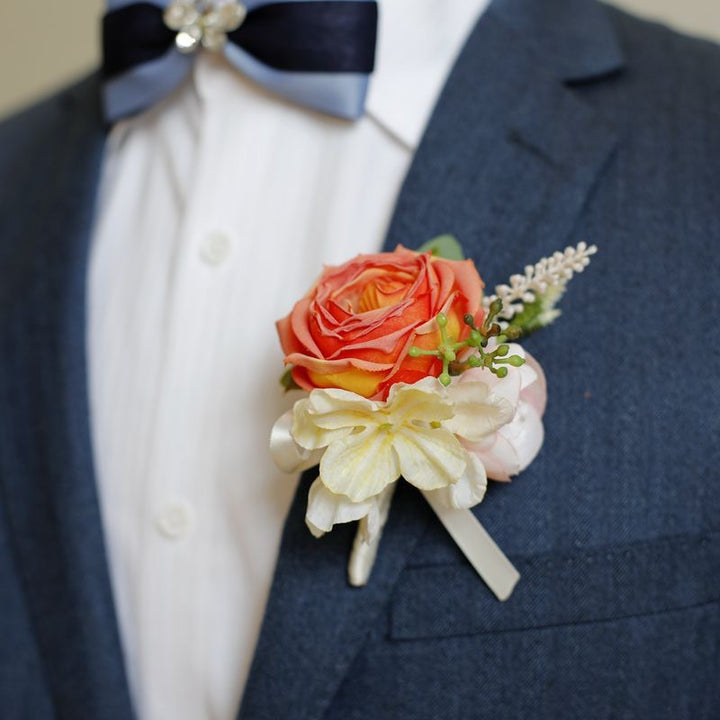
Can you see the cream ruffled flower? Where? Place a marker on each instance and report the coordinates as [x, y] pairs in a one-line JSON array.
[[369, 445]]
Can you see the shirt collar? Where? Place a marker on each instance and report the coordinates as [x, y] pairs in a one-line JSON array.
[[418, 42]]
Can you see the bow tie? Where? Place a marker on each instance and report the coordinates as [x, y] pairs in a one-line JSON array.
[[318, 53]]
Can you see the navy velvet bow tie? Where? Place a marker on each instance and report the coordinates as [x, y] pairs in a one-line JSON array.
[[318, 53]]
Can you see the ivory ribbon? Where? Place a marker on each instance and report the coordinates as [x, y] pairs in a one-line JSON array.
[[478, 547], [286, 453], [363, 553], [491, 564]]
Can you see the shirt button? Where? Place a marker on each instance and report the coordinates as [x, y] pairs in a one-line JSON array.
[[175, 520], [216, 248]]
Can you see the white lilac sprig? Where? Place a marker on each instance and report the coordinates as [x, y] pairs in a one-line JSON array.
[[529, 299]]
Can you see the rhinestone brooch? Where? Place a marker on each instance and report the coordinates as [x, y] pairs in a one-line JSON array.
[[202, 23]]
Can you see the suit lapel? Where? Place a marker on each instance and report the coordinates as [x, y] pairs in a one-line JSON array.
[[511, 153], [48, 482], [506, 164]]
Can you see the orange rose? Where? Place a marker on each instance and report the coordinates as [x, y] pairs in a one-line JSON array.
[[354, 329]]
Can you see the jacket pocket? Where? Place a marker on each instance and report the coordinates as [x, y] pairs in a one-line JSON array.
[[595, 585]]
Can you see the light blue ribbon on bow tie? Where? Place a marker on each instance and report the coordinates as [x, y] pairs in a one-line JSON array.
[[341, 94]]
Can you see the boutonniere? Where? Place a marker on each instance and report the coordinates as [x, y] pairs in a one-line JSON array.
[[413, 373]]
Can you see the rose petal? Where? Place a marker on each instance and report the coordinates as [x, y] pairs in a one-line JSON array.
[[535, 394], [478, 412], [507, 387], [320, 366], [525, 433], [497, 455], [299, 317]]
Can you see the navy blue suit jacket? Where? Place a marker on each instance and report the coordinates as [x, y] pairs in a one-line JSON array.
[[562, 121]]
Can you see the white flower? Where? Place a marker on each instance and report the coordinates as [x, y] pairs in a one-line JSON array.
[[325, 509], [371, 444], [513, 446], [368, 445], [468, 491], [482, 403], [444, 440]]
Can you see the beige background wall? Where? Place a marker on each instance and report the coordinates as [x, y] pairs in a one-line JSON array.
[[67, 31]]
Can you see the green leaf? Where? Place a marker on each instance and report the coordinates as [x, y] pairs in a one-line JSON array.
[[443, 246], [287, 380]]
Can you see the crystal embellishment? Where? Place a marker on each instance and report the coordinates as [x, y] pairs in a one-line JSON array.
[[203, 24]]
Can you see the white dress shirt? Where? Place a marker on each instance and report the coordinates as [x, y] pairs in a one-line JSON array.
[[217, 210]]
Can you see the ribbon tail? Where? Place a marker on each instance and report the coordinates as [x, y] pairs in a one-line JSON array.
[[478, 547], [286, 453], [367, 540]]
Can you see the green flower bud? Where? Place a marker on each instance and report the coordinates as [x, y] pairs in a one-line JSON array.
[[496, 306]]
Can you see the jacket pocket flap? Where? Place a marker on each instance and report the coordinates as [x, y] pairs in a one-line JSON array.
[[602, 584]]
